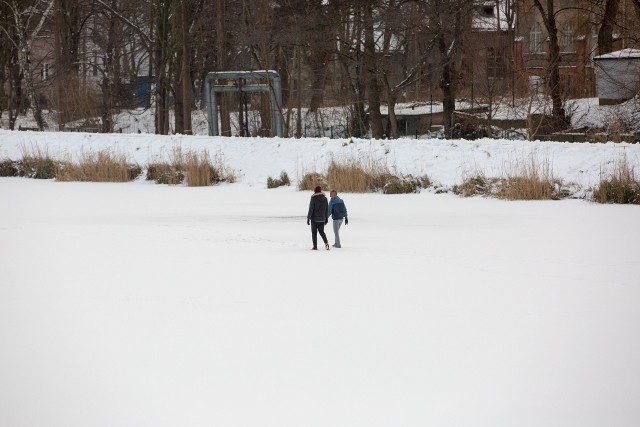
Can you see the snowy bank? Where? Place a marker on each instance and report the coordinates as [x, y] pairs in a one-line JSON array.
[[256, 159]]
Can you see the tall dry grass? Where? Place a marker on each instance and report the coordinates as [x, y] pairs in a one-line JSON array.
[[358, 174], [193, 168], [528, 178], [619, 185], [99, 166], [311, 180], [37, 163], [362, 175], [199, 171]]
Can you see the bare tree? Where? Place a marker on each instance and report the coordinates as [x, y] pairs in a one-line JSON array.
[[548, 15], [221, 63], [10, 71], [70, 18], [448, 23], [183, 83], [371, 74], [350, 56], [26, 33]]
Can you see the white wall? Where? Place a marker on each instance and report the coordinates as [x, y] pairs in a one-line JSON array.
[[617, 79]]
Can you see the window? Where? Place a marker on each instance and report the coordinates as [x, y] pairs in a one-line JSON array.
[[44, 71], [94, 70], [535, 38], [495, 63], [488, 10], [536, 84], [566, 38]]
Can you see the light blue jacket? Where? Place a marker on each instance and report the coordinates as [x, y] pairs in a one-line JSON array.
[[337, 209]]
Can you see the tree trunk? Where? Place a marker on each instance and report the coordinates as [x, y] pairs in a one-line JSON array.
[[448, 57], [178, 106], [317, 87], [558, 113], [186, 96], [185, 72], [10, 73], [393, 122], [163, 56], [68, 23], [392, 125], [392, 131], [3, 78], [447, 86], [371, 75], [63, 116], [182, 80], [111, 73], [24, 59], [221, 53], [178, 77], [25, 64], [15, 93], [605, 34], [265, 117], [358, 125], [298, 94], [349, 55]]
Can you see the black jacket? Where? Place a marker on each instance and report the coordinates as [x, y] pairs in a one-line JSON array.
[[318, 208]]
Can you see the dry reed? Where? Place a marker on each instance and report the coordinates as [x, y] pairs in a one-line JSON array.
[[199, 171], [528, 179], [620, 185], [311, 180], [100, 166], [362, 175], [358, 175], [37, 163], [194, 169]]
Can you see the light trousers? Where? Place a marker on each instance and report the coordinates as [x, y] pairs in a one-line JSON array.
[[337, 223]]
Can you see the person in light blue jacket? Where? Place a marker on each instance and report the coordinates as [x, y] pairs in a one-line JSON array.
[[338, 211]]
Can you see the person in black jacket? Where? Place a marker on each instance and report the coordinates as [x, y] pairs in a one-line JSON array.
[[317, 217]]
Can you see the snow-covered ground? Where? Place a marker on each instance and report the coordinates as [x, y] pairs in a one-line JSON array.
[[446, 162], [150, 305], [332, 121]]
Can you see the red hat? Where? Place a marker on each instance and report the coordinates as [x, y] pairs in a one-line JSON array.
[[318, 189]]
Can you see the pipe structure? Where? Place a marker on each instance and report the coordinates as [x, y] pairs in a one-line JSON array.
[[274, 88]]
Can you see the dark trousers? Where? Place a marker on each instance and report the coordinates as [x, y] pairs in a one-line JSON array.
[[318, 227]]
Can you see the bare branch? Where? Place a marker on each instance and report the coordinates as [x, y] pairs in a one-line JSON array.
[[146, 40]]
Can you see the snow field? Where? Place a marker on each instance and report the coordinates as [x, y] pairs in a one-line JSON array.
[[141, 304]]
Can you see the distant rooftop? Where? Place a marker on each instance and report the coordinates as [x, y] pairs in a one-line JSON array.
[[423, 108], [621, 54]]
